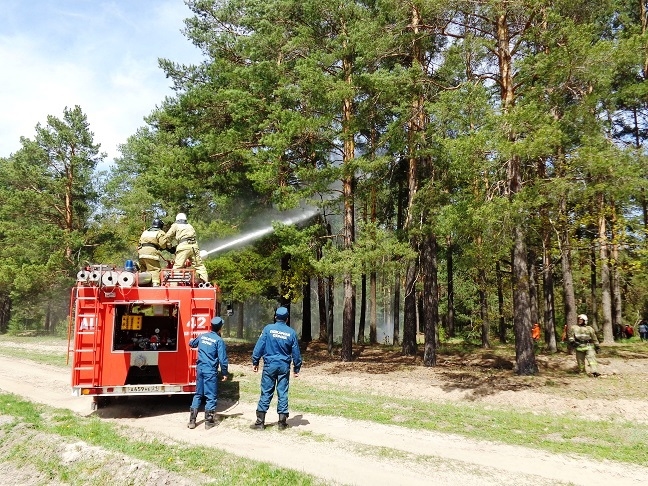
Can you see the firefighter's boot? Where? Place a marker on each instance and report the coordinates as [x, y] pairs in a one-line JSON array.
[[282, 425], [260, 420], [192, 418], [209, 419]]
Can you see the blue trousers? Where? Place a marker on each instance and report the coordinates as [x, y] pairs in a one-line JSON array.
[[207, 387], [275, 375]]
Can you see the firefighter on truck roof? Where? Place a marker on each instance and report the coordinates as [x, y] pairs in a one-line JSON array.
[[187, 248], [149, 251]]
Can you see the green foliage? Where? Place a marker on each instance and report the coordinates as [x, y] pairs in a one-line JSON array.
[[47, 197], [37, 445], [261, 124]]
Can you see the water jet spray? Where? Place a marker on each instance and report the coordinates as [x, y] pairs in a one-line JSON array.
[[257, 234]]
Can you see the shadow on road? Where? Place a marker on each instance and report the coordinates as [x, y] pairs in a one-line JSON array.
[[158, 405]]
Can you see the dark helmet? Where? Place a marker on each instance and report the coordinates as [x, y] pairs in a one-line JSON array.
[[216, 324], [281, 314], [157, 223]]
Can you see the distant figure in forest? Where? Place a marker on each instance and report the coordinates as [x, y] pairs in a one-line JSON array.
[[584, 340], [643, 330], [535, 332]]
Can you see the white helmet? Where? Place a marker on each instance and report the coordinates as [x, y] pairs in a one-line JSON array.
[[181, 217], [583, 316]]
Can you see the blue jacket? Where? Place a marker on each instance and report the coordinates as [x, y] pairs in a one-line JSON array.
[[278, 342], [211, 352]]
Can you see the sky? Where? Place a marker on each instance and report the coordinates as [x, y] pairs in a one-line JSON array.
[[100, 55]]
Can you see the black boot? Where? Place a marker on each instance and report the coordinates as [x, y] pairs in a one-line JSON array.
[[192, 418], [282, 425], [260, 421], [209, 419]]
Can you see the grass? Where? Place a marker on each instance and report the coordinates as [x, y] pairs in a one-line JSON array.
[[620, 440], [29, 448], [617, 440], [10, 346]]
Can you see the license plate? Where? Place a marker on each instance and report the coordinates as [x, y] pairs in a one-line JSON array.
[[145, 388]]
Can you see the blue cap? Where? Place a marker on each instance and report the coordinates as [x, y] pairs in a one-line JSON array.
[[216, 323], [281, 313]]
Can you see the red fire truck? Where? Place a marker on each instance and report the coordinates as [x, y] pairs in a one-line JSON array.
[[128, 337]]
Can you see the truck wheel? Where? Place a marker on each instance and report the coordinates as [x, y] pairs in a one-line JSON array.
[[100, 402]]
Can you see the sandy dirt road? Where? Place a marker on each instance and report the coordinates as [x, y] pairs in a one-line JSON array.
[[337, 450]]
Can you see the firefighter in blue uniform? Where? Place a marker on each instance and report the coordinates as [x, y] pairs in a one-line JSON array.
[[278, 346], [211, 354]]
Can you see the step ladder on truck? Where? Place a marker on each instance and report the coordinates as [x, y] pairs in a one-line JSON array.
[[127, 337]]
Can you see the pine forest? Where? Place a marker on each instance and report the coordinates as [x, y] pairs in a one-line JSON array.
[[427, 170]]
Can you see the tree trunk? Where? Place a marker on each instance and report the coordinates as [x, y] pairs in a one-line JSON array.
[[373, 309], [321, 294], [569, 298], [240, 321], [329, 318], [331, 303], [617, 307], [482, 286], [606, 284], [483, 308], [450, 276], [415, 137], [593, 318], [419, 313], [500, 304], [347, 320], [396, 309], [363, 309], [284, 291], [397, 277], [373, 305], [533, 288], [321, 307], [429, 269], [524, 352], [348, 314], [548, 293], [307, 332], [409, 319], [5, 312]]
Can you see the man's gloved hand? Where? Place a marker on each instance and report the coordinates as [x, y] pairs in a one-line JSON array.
[[172, 249], [598, 348]]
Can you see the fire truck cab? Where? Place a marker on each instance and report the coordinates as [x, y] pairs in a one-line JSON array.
[[127, 337]]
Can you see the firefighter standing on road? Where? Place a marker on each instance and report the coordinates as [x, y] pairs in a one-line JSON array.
[[149, 251], [278, 346], [584, 339], [211, 353], [187, 248]]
